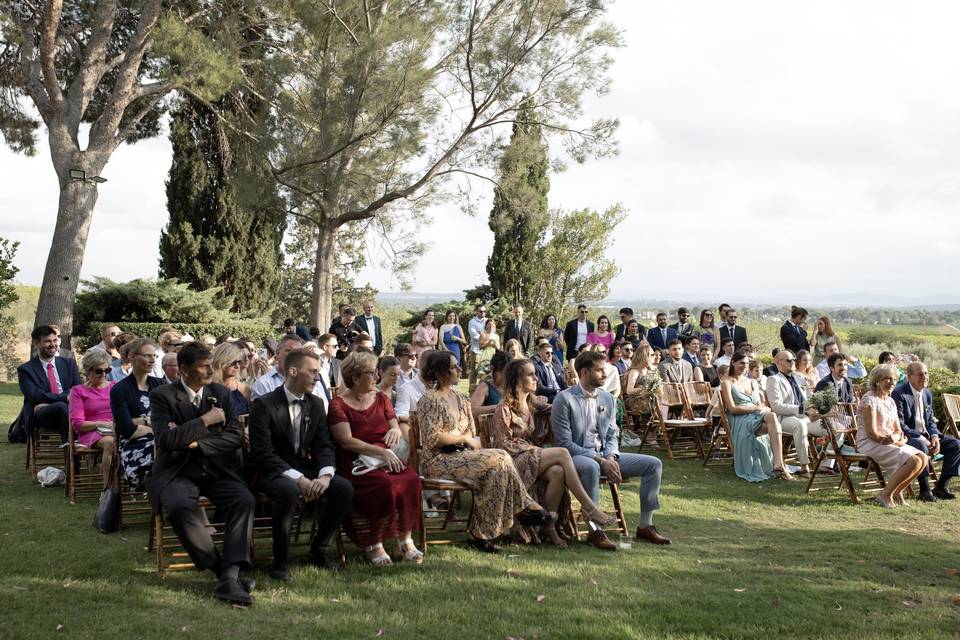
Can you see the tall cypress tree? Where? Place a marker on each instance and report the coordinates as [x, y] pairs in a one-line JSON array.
[[519, 216], [211, 240]]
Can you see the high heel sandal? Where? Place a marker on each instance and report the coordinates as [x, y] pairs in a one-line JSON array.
[[381, 559], [783, 474], [600, 518], [409, 552]]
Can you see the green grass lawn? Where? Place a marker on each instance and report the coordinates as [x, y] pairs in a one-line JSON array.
[[747, 561]]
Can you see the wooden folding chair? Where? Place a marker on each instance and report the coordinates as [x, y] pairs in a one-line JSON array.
[[720, 452], [448, 515], [135, 508], [43, 450], [83, 474], [680, 437], [951, 407], [483, 430], [170, 554], [844, 423]]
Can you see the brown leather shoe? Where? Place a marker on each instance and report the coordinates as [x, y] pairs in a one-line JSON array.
[[650, 534], [600, 540]]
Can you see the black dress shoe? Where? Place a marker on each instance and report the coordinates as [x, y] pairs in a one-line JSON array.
[[943, 493], [927, 496], [248, 584], [231, 591], [534, 518], [323, 559], [280, 572], [484, 546]]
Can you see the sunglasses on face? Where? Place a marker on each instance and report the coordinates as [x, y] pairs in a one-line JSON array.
[[237, 363], [101, 372]]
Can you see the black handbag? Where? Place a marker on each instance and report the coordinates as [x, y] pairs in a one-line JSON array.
[[107, 517]]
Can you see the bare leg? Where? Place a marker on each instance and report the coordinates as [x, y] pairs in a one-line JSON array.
[[776, 443], [106, 445], [554, 493], [910, 471], [559, 456]]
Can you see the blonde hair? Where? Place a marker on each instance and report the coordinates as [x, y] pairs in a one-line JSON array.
[[224, 354], [354, 363], [641, 357], [879, 372]]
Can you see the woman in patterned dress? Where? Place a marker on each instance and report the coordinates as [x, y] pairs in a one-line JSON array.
[[879, 436], [452, 451], [547, 473], [130, 406]]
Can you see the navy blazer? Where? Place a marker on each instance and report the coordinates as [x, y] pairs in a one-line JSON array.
[[125, 404], [844, 390], [907, 411], [35, 387], [376, 333], [655, 337], [794, 338], [689, 358], [540, 368]]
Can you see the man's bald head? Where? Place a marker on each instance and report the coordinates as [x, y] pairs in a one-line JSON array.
[[786, 361]]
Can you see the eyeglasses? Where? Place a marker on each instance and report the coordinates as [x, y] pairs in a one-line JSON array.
[[148, 356], [406, 355], [102, 372], [790, 359], [372, 374], [113, 334]]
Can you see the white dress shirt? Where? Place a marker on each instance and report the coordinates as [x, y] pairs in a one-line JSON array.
[[296, 415], [56, 374]]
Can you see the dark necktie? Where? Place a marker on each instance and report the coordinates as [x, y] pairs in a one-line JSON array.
[[323, 384], [797, 394]]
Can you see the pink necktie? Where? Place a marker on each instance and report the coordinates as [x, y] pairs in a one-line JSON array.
[[54, 387]]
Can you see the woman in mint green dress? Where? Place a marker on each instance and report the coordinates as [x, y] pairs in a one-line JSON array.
[[755, 430]]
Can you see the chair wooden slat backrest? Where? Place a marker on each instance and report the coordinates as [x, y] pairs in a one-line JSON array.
[[697, 396], [483, 430], [83, 476], [840, 445], [951, 407], [720, 451], [679, 432]]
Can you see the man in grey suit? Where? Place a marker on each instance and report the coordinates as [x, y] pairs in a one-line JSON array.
[[584, 423], [676, 369]]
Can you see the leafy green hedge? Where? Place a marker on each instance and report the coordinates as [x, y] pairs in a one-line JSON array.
[[238, 328]]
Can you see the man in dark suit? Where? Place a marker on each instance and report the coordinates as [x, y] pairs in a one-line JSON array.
[[576, 331], [915, 410], [518, 329], [197, 439], [661, 335], [346, 331], [549, 372], [683, 326], [730, 330], [329, 365], [293, 328], [691, 352], [626, 315], [371, 324], [838, 378], [792, 334], [45, 382], [292, 457]]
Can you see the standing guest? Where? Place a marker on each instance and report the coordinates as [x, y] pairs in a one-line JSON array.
[[706, 372], [292, 457], [546, 473], [275, 376], [855, 368], [806, 371], [329, 364], [227, 362], [634, 333], [706, 331], [915, 412], [603, 335], [107, 334], [691, 352], [451, 450], [727, 350], [170, 368], [370, 324], [576, 332], [170, 341], [346, 330], [793, 334], [45, 382], [130, 406], [682, 326], [755, 430], [626, 315], [838, 378], [518, 329], [425, 334], [489, 345], [404, 354], [514, 349], [675, 368], [120, 369], [198, 443], [822, 334], [550, 331], [549, 372], [787, 396], [475, 327], [583, 423], [722, 312], [388, 369], [293, 328], [661, 335], [90, 415], [452, 335], [879, 436], [489, 392], [730, 330]]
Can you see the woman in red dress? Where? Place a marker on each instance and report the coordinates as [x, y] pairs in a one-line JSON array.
[[386, 498]]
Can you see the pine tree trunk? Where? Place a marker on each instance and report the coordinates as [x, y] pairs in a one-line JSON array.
[[320, 303], [62, 272]]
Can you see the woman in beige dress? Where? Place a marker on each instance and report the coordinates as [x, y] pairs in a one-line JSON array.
[[806, 370], [452, 451], [547, 473], [879, 436]]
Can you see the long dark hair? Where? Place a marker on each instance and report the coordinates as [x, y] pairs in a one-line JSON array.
[[511, 385], [544, 325]]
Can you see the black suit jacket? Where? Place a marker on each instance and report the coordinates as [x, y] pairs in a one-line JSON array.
[[739, 335], [844, 392], [570, 337], [510, 331], [35, 388], [540, 368], [687, 330], [794, 338], [176, 422], [271, 448], [376, 333], [342, 333]]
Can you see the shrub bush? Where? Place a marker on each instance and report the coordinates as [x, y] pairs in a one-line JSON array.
[[237, 328]]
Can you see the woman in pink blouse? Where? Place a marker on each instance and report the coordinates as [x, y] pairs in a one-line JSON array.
[[602, 335], [90, 415], [425, 334]]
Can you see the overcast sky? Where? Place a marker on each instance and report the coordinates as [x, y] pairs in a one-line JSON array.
[[770, 151]]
